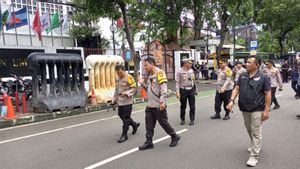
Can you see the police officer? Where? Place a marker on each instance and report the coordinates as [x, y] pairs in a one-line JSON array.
[[123, 96], [156, 87], [275, 78], [186, 89], [224, 88], [239, 69]]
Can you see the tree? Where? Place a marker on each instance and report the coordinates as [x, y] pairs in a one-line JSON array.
[[281, 18], [113, 9], [83, 31]]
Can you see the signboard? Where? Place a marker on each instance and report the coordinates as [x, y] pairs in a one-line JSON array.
[[253, 44], [128, 55], [14, 61], [253, 52]]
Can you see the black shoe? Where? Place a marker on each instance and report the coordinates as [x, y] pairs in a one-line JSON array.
[[123, 138], [276, 107], [146, 146], [174, 141], [216, 116], [298, 115], [182, 122], [135, 128], [226, 117], [191, 123]]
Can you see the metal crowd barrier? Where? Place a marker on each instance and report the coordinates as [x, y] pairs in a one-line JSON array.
[[65, 75], [102, 76]]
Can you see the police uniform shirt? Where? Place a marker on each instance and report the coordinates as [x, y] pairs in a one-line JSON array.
[[251, 94], [185, 79], [126, 84], [274, 76], [238, 72], [225, 79], [156, 88]]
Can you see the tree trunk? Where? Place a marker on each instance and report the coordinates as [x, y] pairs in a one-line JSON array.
[[198, 19], [136, 57], [280, 40]]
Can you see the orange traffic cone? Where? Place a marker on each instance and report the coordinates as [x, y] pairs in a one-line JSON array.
[[93, 98], [143, 93], [10, 110]]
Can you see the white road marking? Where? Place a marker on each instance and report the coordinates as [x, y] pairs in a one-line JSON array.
[[69, 127], [128, 152]]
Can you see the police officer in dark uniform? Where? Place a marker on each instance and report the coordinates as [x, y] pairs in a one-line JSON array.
[[186, 89], [123, 96], [156, 109]]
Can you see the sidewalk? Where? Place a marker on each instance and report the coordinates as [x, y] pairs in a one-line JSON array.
[[27, 118]]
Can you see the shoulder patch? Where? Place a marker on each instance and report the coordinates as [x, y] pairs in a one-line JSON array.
[[228, 72], [130, 80], [161, 77]]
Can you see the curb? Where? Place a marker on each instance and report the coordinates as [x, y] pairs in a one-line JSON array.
[[33, 118]]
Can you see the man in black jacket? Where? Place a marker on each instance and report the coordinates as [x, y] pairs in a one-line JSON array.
[[254, 101]]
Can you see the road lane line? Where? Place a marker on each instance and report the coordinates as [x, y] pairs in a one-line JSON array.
[[128, 152], [72, 126]]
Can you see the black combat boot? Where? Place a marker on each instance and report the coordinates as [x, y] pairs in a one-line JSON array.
[[146, 145], [135, 127], [276, 107], [123, 138], [191, 123], [216, 116], [175, 138], [182, 122]]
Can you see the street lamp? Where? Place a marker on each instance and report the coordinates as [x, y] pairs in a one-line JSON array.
[[113, 28]]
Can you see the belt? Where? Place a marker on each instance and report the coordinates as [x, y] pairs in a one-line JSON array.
[[187, 88]]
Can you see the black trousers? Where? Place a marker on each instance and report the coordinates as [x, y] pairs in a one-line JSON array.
[[294, 86], [222, 98], [124, 113], [274, 100], [184, 96], [153, 114], [285, 75]]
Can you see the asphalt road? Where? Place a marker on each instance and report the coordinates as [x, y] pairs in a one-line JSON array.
[[90, 141]]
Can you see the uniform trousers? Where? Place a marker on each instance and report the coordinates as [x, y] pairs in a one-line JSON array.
[[273, 92], [124, 113], [184, 96], [153, 115], [222, 98]]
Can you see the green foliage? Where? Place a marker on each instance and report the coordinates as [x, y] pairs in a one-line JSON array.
[[281, 18], [83, 30]]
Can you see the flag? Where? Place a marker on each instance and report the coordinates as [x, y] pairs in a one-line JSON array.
[[54, 22], [36, 25], [45, 21], [17, 19], [4, 17], [65, 23]]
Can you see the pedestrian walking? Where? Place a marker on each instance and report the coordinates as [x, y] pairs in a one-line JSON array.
[[223, 90], [254, 91], [285, 72], [205, 71], [156, 109], [275, 79], [123, 96], [186, 90], [294, 79], [198, 66]]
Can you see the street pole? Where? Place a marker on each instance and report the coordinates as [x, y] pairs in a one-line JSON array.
[[112, 29], [234, 41]]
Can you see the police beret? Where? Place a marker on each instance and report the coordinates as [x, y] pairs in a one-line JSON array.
[[238, 62], [189, 60]]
